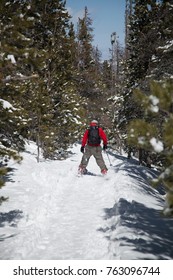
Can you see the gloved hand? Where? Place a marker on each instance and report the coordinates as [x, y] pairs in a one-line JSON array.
[[105, 147], [82, 149]]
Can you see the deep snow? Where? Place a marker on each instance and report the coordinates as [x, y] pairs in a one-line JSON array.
[[53, 214]]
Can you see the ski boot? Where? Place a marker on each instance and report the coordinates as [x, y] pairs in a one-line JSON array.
[[82, 170], [104, 171]]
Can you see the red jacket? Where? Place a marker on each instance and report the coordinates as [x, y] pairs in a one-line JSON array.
[[101, 134]]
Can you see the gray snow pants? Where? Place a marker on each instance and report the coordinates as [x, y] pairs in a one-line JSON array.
[[97, 153]]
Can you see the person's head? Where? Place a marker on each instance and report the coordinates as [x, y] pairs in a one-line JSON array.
[[94, 123]]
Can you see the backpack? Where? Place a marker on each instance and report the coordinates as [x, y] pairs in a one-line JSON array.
[[93, 135]]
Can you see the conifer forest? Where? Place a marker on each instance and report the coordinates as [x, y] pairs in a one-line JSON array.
[[53, 81]]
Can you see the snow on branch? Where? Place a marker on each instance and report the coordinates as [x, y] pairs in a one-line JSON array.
[[19, 78]]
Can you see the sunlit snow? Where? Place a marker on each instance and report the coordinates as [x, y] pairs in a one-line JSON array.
[[53, 214], [157, 145]]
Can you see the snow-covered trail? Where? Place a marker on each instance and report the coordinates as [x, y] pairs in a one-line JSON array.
[[61, 213], [54, 214]]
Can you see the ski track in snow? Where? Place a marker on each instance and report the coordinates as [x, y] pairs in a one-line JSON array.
[[63, 215]]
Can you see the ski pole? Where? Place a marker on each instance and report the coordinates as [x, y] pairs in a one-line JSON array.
[[108, 158]]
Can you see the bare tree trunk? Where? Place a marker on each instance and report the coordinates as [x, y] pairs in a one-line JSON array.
[[38, 147], [38, 139]]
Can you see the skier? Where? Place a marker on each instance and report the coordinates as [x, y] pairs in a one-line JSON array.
[[91, 147]]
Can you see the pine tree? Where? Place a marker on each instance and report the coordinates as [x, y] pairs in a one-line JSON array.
[[62, 77], [14, 51], [9, 145], [128, 14], [141, 46], [91, 81], [85, 51], [85, 39], [30, 62], [53, 90], [157, 139], [161, 63]]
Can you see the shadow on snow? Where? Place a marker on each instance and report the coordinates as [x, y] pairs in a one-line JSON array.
[[11, 218], [145, 223], [152, 232]]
